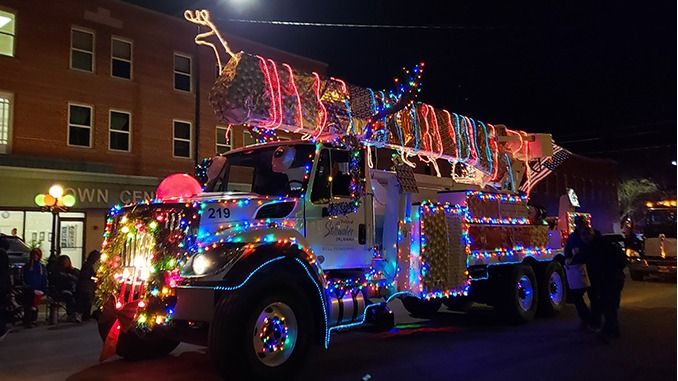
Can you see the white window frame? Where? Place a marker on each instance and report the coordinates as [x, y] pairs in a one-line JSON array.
[[189, 140], [130, 60], [175, 72], [10, 120], [129, 133], [13, 13], [230, 139], [93, 52], [68, 124]]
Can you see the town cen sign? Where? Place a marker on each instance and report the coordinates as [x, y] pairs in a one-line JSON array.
[[91, 190], [106, 196]]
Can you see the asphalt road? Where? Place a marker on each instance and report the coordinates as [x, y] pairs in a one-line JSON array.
[[473, 346]]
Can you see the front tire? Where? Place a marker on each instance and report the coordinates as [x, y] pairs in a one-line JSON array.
[[136, 344], [517, 294], [552, 288], [261, 332]]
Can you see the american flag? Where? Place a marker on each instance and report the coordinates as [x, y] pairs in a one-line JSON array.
[[543, 167]]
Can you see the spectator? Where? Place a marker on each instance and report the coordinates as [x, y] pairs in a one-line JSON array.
[[4, 287], [65, 283], [578, 253], [15, 233], [86, 286], [606, 269], [35, 283]]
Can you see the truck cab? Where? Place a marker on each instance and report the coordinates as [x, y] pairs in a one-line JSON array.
[[657, 255]]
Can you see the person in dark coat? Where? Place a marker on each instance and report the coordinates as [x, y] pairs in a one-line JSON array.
[[611, 272], [86, 286], [65, 284], [35, 281], [4, 287], [578, 251], [605, 262]]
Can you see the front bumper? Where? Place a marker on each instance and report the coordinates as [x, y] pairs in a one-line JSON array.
[[654, 265], [195, 303]]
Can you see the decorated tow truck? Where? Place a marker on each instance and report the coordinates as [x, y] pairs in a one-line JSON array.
[[274, 247]]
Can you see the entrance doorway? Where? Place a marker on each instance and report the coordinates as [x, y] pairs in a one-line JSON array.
[[72, 237]]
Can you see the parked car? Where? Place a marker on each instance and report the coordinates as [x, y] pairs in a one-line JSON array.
[[18, 253]]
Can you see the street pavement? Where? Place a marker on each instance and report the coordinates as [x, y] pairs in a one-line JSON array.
[[452, 346]]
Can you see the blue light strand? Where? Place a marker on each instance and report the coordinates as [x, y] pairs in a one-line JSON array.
[[322, 302], [510, 170], [373, 101], [488, 150], [464, 133], [251, 274], [351, 126]]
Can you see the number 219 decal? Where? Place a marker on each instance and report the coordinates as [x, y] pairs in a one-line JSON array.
[[218, 213]]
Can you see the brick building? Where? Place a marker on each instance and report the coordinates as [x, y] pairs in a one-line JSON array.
[[104, 98], [594, 180]]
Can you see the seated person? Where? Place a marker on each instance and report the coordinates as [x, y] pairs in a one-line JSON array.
[[65, 280], [35, 283], [286, 175]]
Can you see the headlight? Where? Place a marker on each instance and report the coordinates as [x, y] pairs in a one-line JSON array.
[[212, 261], [632, 253], [200, 264]]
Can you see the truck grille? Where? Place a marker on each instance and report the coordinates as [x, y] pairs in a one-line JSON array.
[[138, 251]]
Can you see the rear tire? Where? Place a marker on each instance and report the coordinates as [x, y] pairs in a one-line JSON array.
[[421, 307], [553, 293], [250, 322], [459, 303], [517, 294]]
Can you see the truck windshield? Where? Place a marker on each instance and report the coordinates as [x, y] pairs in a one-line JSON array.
[[660, 221], [277, 170]]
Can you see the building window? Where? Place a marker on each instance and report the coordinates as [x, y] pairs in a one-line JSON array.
[[5, 122], [182, 72], [7, 27], [248, 139], [121, 58], [224, 139], [182, 139], [79, 125], [82, 50], [119, 130]]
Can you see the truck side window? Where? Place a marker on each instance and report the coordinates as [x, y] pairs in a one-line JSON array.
[[341, 175], [333, 176], [321, 182]]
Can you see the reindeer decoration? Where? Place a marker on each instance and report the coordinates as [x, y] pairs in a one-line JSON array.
[[267, 96]]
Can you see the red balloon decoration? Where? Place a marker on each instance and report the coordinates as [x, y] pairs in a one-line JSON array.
[[178, 185]]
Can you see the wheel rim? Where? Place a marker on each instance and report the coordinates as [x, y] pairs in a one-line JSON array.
[[556, 288], [525, 293], [275, 334]]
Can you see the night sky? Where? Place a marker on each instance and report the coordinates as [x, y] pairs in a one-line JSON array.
[[599, 76]]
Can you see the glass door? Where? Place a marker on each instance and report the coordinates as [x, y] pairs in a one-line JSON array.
[[72, 238]]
